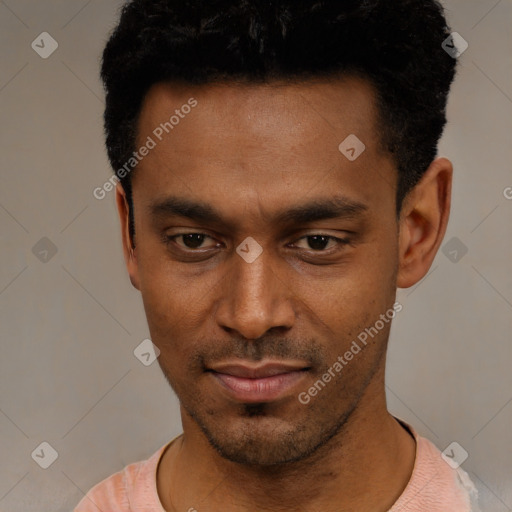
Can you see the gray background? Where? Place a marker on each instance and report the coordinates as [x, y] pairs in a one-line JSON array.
[[69, 325]]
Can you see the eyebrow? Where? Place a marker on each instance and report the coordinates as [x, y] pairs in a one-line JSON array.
[[336, 207]]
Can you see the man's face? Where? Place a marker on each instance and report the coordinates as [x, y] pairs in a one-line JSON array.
[[220, 318]]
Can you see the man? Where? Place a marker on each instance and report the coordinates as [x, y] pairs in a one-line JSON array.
[[278, 183]]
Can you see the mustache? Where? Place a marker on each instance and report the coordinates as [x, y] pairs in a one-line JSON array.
[[213, 351]]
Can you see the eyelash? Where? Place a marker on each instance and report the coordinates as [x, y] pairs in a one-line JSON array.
[[340, 241]]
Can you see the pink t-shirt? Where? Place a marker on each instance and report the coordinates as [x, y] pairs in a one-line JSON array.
[[434, 486]]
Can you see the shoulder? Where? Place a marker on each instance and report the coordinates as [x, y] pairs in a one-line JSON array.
[[109, 494], [435, 484], [122, 491]]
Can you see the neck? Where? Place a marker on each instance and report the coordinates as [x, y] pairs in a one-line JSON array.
[[366, 466]]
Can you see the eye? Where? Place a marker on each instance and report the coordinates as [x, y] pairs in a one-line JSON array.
[[194, 242], [191, 241], [318, 242]]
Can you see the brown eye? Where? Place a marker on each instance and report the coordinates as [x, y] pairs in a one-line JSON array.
[[190, 241], [319, 242]]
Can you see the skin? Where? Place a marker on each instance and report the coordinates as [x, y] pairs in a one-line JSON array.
[[250, 152]]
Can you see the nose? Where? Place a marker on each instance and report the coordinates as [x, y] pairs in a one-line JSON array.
[[256, 299]]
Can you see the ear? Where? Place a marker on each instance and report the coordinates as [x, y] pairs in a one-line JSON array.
[[423, 221], [130, 257]]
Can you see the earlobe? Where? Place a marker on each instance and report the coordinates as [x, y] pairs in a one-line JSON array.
[[130, 257], [423, 220]]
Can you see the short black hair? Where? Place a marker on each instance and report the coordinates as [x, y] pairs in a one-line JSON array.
[[395, 44]]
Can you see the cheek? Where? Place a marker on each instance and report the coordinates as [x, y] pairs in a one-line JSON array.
[[162, 292], [357, 290], [352, 300], [374, 276], [165, 305], [176, 308]]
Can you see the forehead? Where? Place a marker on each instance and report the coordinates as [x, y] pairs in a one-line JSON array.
[[261, 110], [261, 142]]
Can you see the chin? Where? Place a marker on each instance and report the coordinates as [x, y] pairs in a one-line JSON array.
[[256, 438]]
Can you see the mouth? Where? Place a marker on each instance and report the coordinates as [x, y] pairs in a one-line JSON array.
[[256, 384]]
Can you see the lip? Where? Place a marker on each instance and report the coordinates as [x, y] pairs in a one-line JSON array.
[[256, 384]]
